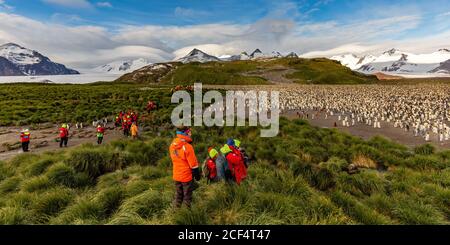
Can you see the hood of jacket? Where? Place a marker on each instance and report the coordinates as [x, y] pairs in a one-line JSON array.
[[181, 140]]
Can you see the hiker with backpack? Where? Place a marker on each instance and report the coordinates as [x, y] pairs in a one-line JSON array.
[[235, 161], [100, 134], [185, 166], [209, 168], [25, 139], [215, 167], [63, 135], [244, 155]]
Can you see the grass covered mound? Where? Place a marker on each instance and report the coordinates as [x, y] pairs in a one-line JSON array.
[[229, 73], [299, 177], [310, 71], [325, 71]]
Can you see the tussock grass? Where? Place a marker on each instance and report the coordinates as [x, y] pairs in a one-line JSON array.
[[13, 215], [299, 177], [36, 184], [10, 185], [51, 203], [357, 210]]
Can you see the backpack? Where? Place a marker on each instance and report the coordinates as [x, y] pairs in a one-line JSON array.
[[228, 173], [205, 169]]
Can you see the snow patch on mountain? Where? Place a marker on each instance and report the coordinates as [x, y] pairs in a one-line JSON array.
[[19, 55], [395, 61], [19, 61], [122, 67]]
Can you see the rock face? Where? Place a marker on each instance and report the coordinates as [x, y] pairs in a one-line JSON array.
[[19, 61], [8, 69]]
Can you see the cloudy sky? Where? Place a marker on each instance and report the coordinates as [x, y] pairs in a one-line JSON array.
[[86, 33]]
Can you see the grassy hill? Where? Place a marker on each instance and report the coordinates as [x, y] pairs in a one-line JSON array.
[[325, 71], [298, 177], [25, 104], [314, 71]]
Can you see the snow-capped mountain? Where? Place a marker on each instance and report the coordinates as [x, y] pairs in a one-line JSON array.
[[242, 56], [352, 61], [256, 54], [443, 68], [398, 62], [122, 67], [19, 61], [276, 54], [197, 55]]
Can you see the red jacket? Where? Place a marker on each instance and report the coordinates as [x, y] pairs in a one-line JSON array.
[[236, 165], [211, 165], [24, 137], [63, 132]]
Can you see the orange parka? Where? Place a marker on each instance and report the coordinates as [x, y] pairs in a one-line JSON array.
[[183, 158]]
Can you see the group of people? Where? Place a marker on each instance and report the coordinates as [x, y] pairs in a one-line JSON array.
[[63, 136], [229, 164], [127, 121]]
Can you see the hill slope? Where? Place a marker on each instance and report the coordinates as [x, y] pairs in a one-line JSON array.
[[245, 72]]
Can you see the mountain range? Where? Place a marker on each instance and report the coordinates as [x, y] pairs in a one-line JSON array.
[[197, 55], [16, 60], [395, 61]]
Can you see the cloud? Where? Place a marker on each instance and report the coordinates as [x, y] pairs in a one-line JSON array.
[[66, 18], [4, 6], [86, 45], [70, 3], [104, 4], [189, 14]]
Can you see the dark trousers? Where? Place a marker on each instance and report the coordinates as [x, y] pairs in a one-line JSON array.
[[63, 141], [99, 140], [25, 146], [184, 192], [126, 131]]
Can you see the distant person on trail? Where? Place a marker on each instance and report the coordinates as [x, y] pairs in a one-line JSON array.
[[134, 130], [117, 122], [100, 134], [63, 135], [185, 166], [25, 139], [125, 127]]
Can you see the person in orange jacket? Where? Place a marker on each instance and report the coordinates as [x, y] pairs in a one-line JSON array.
[[185, 166], [25, 139], [134, 130]]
